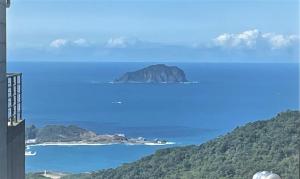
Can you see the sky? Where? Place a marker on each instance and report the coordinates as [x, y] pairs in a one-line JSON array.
[[154, 30]]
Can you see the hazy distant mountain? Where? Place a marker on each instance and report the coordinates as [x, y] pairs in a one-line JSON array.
[[159, 73]]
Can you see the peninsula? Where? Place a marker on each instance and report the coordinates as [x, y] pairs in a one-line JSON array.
[[262, 145], [74, 135], [159, 73]]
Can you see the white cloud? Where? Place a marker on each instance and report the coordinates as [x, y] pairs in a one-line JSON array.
[[254, 38], [121, 42], [280, 41], [58, 43], [245, 39], [118, 42], [81, 42]]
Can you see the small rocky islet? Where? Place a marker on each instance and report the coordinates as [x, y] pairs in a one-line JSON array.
[[159, 73]]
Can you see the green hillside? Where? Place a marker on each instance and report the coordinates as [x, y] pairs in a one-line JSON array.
[[271, 145]]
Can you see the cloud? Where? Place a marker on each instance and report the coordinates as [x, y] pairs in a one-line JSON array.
[[121, 42], [254, 39], [81, 42], [245, 39], [247, 46], [278, 41], [58, 43]]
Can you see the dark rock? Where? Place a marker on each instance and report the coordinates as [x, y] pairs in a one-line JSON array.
[[159, 73]]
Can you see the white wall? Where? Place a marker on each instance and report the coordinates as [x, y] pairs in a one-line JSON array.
[[3, 92]]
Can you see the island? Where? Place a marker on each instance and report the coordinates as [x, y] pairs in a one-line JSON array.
[[159, 73], [74, 135]]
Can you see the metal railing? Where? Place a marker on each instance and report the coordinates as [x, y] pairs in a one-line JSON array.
[[14, 86], [8, 3]]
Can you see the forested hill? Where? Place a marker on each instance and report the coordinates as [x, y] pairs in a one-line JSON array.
[[271, 145]]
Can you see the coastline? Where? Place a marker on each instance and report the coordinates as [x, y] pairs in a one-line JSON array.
[[136, 82], [95, 144]]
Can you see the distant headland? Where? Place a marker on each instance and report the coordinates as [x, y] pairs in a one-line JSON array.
[[159, 73], [74, 135]]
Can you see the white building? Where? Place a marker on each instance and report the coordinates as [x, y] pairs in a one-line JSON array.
[[266, 175]]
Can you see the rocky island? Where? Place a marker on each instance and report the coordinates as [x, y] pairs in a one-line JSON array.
[[159, 73], [73, 135]]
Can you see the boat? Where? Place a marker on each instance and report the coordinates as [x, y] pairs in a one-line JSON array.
[[30, 153]]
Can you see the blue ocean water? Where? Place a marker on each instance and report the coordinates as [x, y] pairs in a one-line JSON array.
[[224, 97]]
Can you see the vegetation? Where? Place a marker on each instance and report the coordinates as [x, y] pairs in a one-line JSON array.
[[159, 73], [56, 133], [271, 145], [264, 145], [74, 134], [35, 176], [49, 175]]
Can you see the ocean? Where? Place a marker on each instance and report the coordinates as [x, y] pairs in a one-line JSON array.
[[221, 97]]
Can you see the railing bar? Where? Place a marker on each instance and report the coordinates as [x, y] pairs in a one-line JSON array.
[[21, 95], [14, 82], [17, 99], [12, 101]]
